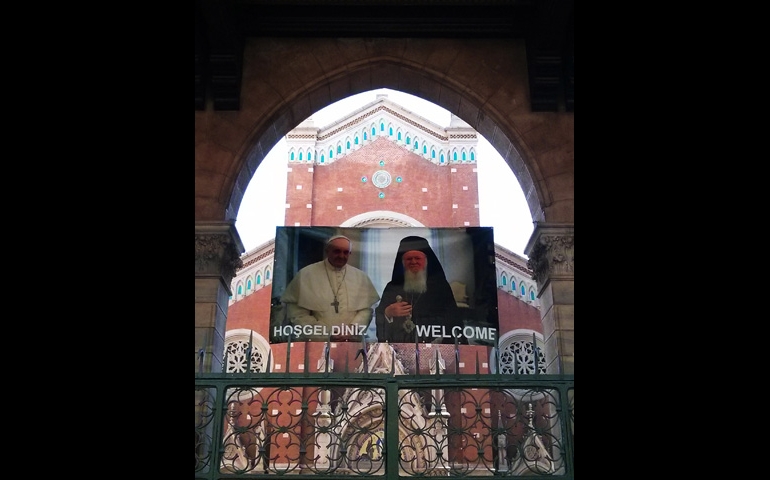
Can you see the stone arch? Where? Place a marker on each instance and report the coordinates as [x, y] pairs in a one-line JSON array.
[[492, 101]]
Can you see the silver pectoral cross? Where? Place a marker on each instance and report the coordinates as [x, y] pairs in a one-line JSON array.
[[335, 304]]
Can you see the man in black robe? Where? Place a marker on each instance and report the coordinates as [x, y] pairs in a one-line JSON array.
[[418, 304]]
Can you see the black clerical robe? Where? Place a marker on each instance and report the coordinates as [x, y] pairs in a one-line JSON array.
[[434, 314]]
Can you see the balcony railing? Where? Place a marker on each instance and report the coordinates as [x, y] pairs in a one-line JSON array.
[[385, 424]]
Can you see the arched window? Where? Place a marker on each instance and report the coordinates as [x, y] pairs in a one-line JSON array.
[[339, 149], [407, 139], [240, 289], [237, 343], [300, 156], [267, 274], [455, 157], [322, 158], [464, 157], [425, 149], [519, 351], [291, 156], [331, 153], [513, 285], [416, 145], [390, 131], [531, 294], [356, 140], [473, 156], [259, 279], [523, 290], [399, 136], [382, 127], [248, 284], [432, 154], [374, 132], [504, 281], [365, 136], [442, 158], [348, 144]]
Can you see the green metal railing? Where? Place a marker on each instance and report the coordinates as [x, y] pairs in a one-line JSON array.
[[386, 425]]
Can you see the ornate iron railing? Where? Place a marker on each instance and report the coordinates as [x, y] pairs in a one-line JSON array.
[[387, 425]]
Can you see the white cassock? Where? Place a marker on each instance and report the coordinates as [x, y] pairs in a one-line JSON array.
[[310, 300]]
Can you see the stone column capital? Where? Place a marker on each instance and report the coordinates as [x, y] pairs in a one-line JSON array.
[[218, 249], [551, 252]]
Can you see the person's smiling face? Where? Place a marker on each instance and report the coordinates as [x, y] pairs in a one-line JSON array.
[[338, 252], [414, 261]]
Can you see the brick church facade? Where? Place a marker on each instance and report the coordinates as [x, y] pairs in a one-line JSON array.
[[382, 166]]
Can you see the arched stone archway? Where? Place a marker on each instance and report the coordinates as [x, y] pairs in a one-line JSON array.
[[481, 81], [484, 81]]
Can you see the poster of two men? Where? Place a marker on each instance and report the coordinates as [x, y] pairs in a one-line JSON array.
[[396, 285]]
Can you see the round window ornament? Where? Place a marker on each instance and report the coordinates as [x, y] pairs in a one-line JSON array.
[[382, 195], [381, 179], [399, 180], [382, 163], [364, 179]]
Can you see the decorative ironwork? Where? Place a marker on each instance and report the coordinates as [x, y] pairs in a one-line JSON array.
[[308, 429], [381, 421]]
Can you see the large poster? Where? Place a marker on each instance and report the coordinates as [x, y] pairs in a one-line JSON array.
[[396, 285]]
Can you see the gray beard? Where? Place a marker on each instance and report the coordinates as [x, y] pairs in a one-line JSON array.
[[416, 282]]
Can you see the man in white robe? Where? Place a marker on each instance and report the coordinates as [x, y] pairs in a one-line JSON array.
[[331, 300]]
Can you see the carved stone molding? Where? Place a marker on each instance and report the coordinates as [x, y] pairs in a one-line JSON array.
[[551, 252], [218, 250]]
